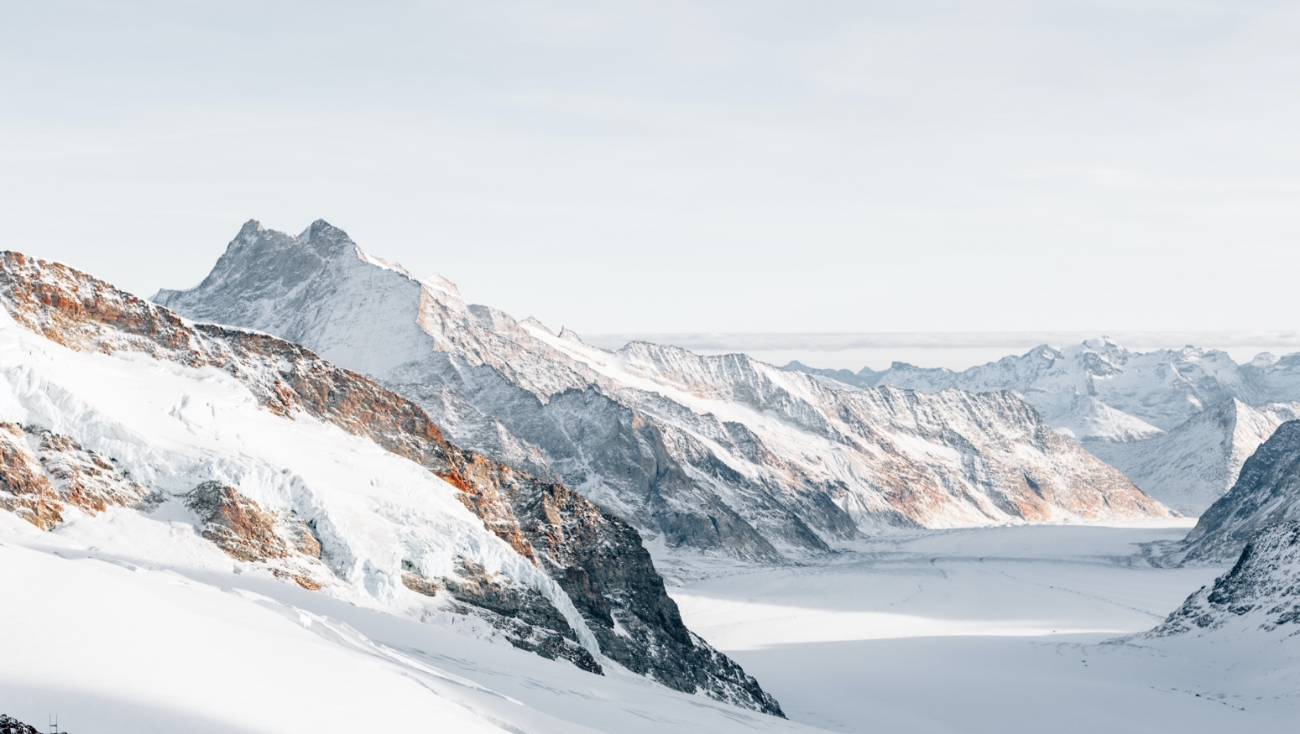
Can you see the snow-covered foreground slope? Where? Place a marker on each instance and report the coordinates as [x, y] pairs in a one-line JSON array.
[[124, 625], [719, 454], [1120, 403], [235, 452], [999, 630]]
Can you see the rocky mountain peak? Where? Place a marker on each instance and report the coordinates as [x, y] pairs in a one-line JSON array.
[[1267, 492], [329, 241], [717, 454]]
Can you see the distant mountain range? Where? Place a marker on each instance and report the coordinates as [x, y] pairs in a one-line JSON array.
[[1177, 422], [712, 454]]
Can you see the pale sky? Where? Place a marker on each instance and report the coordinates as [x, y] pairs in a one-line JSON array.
[[684, 167]]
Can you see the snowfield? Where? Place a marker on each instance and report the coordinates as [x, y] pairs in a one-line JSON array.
[[1009, 629], [115, 643]]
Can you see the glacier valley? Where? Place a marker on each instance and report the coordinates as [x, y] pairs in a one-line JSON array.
[[315, 493]]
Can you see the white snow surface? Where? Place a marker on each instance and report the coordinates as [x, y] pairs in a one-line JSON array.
[[127, 625], [992, 630]]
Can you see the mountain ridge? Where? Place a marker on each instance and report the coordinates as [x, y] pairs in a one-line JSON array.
[[711, 454], [541, 566], [1143, 412]]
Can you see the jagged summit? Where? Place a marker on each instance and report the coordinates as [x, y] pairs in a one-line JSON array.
[[279, 280], [715, 454]]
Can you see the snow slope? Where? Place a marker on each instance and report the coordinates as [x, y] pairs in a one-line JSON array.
[[239, 453], [121, 624], [1256, 604], [719, 454]]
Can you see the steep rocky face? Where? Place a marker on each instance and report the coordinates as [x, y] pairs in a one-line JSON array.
[[246, 531], [527, 618], [1266, 493], [718, 454], [42, 472], [559, 540], [1259, 596], [1196, 463]]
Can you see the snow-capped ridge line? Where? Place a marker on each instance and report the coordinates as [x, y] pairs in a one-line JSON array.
[[1136, 410], [590, 567], [718, 455]]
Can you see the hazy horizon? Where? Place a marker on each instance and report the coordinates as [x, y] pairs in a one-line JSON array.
[[685, 167], [955, 351]]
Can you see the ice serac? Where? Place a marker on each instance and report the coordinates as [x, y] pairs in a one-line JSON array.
[[1266, 493], [290, 466], [1119, 404], [708, 454]]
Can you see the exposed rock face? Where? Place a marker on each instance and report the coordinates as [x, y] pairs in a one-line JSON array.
[[1266, 493], [42, 472], [14, 726], [715, 454], [247, 532], [555, 530], [1261, 594], [528, 619]]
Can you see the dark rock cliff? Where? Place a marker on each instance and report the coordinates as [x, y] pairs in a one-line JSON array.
[[1261, 592], [1267, 492]]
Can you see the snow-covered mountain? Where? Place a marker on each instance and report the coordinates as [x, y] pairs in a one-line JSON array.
[[1266, 493], [1179, 423], [193, 446], [1255, 607], [1189, 467], [712, 453]]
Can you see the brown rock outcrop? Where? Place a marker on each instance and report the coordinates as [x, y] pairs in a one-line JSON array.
[[43, 472], [247, 532]]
